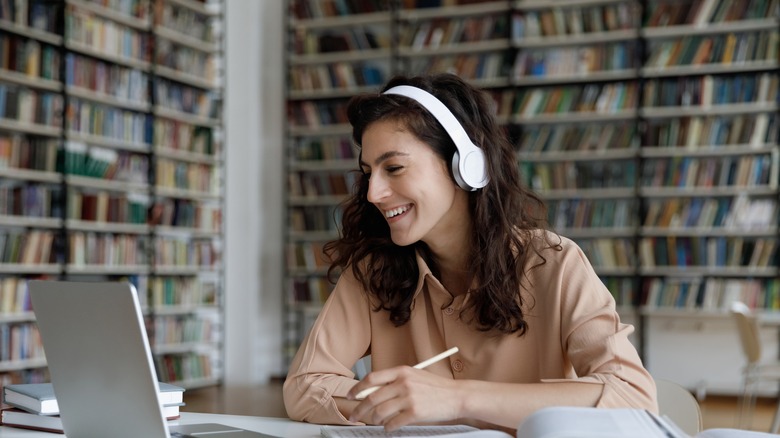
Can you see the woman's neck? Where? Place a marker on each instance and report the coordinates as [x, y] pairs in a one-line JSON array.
[[450, 247], [454, 268]]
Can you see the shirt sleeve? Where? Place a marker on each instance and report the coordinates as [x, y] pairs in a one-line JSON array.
[[322, 367], [595, 341]]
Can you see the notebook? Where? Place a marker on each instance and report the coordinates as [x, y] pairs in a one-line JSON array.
[[101, 364]]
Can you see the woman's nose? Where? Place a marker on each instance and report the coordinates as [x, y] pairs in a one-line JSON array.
[[377, 189]]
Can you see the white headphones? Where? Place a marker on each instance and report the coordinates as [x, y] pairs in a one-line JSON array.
[[468, 163]]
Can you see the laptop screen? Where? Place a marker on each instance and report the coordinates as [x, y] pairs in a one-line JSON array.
[[99, 358]]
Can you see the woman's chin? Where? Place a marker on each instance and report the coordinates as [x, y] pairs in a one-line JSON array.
[[402, 240]]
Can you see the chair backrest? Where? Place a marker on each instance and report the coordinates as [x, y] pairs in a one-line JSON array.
[[679, 405], [747, 326], [362, 367]]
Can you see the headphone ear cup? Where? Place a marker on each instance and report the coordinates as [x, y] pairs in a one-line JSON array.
[[456, 172], [470, 171]]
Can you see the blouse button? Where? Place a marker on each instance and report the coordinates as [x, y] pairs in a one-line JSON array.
[[449, 310], [457, 365]]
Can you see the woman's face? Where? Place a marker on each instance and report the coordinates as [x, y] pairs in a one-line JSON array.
[[411, 186]]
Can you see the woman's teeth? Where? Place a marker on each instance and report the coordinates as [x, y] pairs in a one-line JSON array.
[[395, 211]]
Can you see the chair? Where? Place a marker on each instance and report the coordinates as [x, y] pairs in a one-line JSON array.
[[362, 367], [756, 370], [679, 405]]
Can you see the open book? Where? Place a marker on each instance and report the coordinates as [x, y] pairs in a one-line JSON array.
[[571, 422], [555, 422]]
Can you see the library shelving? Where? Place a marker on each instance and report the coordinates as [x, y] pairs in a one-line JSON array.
[[112, 154], [572, 112], [710, 154], [709, 184], [649, 127], [187, 147], [471, 40], [334, 51]]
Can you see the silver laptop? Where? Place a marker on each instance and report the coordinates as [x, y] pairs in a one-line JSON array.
[[101, 365]]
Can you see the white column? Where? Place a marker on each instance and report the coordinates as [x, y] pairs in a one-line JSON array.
[[254, 121]]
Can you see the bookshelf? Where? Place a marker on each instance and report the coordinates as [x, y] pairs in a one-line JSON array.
[[709, 229], [333, 53], [111, 149], [572, 109], [650, 128], [471, 39]]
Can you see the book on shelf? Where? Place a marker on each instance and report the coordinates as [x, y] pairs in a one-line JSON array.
[[13, 296], [711, 294], [556, 422], [39, 398]]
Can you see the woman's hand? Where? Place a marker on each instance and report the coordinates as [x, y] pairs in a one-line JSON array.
[[406, 396]]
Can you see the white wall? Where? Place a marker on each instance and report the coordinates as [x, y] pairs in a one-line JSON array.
[[254, 119], [703, 353]]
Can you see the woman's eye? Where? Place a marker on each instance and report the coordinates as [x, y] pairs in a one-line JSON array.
[[392, 169]]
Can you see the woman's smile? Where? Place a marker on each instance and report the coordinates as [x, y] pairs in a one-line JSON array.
[[395, 214]]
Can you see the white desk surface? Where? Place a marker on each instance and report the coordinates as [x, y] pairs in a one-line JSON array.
[[280, 427]]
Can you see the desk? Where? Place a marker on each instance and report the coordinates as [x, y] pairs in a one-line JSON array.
[[281, 427]]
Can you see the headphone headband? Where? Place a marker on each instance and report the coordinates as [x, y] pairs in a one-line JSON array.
[[468, 164]]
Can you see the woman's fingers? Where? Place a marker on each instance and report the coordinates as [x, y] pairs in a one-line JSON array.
[[399, 396], [366, 392]]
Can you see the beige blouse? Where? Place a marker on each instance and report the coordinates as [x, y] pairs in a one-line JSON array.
[[574, 334]]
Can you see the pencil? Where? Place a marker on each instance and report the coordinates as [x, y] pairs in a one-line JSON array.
[[364, 393]]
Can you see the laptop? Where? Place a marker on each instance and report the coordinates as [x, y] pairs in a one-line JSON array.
[[101, 364]]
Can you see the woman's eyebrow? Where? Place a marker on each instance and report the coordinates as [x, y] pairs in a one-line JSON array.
[[387, 155]]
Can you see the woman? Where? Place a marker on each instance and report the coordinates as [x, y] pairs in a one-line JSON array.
[[430, 261]]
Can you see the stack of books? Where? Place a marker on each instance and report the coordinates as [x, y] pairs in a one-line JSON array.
[[34, 405]]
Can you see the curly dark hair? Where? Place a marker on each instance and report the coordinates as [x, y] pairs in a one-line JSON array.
[[506, 215]]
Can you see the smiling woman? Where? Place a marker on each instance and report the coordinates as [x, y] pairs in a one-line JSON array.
[[441, 247]]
